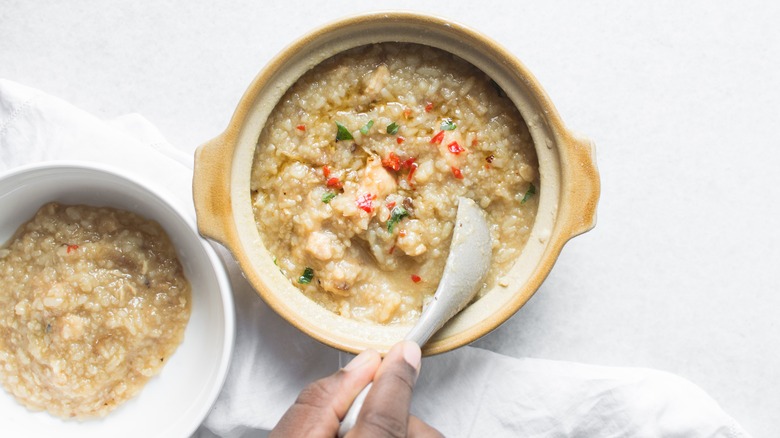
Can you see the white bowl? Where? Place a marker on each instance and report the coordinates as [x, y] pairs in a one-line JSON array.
[[175, 402]]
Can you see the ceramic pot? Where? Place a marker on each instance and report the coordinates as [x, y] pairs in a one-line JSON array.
[[567, 197]]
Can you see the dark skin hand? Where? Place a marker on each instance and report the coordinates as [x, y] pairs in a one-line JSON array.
[[320, 407]]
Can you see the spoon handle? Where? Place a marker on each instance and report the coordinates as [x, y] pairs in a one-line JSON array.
[[419, 337], [352, 414]]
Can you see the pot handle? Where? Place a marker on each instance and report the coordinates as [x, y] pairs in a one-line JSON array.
[[211, 191], [581, 185]]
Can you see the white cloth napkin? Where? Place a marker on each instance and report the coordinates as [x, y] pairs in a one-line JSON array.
[[468, 392]]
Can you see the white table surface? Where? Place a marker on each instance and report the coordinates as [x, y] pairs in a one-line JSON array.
[[682, 101]]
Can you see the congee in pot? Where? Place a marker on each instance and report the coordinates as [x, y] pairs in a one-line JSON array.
[[358, 169]]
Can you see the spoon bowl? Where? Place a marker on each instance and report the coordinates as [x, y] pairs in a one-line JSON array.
[[464, 271]]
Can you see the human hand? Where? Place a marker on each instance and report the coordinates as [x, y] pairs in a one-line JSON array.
[[321, 406]]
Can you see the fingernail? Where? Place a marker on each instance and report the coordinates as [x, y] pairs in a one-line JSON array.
[[359, 360], [412, 354]]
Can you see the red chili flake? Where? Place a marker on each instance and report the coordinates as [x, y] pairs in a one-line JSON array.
[[457, 173], [436, 139], [365, 202], [301, 127], [416, 278], [474, 142], [402, 233], [455, 148], [390, 205], [392, 248], [392, 162], [71, 248], [399, 139], [407, 163], [490, 158], [428, 107], [412, 168], [334, 182], [487, 166], [326, 171]]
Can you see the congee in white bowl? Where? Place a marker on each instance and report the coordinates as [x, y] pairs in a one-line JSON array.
[[117, 319], [94, 302], [335, 184]]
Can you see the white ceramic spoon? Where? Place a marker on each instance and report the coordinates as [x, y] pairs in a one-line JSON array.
[[464, 271]]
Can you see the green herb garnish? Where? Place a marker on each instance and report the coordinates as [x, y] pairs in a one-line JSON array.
[[392, 128], [448, 125], [366, 127], [307, 275], [396, 215], [277, 264], [342, 133], [528, 193], [327, 196]]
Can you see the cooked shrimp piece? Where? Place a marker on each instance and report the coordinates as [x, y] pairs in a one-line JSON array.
[[376, 82], [359, 201], [339, 276], [377, 180], [320, 245]]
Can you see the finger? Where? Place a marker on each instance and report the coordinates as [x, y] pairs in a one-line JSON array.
[[385, 412], [421, 429], [322, 404]]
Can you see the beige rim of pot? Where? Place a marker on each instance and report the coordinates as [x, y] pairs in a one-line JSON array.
[[568, 194]]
